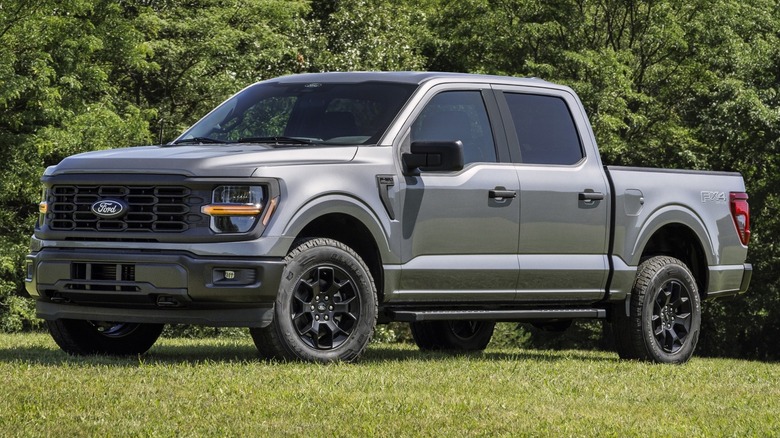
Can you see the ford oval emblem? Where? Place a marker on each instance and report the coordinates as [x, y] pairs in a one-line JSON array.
[[109, 209]]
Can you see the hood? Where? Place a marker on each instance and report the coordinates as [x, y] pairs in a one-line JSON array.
[[200, 160]]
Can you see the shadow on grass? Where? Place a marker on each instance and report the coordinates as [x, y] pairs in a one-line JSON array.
[[378, 353], [208, 351], [162, 354]]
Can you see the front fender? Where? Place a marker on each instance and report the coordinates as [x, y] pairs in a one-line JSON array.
[[343, 204]]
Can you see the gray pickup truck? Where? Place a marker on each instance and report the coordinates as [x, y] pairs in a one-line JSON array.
[[312, 207]]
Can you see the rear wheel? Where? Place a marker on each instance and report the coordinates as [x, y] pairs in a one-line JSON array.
[[452, 335], [77, 337], [664, 314], [554, 326], [326, 308]]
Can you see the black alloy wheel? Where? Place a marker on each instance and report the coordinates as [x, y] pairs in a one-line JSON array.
[[326, 307], [672, 316]]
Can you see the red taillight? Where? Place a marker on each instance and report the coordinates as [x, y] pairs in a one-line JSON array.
[[740, 211]]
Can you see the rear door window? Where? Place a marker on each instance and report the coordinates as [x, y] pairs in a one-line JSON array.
[[545, 129]]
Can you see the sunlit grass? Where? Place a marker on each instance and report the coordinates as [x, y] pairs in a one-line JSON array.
[[218, 387]]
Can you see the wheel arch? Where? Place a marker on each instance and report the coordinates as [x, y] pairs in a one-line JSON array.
[[683, 242], [348, 221]]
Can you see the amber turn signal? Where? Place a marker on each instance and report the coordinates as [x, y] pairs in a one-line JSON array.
[[231, 210]]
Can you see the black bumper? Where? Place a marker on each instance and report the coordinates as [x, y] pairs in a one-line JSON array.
[[153, 286]]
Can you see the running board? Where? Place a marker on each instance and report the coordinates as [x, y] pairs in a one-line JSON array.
[[496, 315]]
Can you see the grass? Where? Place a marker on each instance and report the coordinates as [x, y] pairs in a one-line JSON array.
[[218, 387]]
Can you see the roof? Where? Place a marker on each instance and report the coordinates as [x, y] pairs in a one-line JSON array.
[[406, 77]]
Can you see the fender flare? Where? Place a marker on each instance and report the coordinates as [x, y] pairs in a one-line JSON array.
[[674, 215], [346, 205]]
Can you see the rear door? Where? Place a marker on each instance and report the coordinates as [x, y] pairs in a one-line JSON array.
[[563, 197], [459, 239]]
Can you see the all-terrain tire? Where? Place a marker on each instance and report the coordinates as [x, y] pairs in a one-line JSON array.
[[326, 307], [452, 335], [77, 337], [664, 314]]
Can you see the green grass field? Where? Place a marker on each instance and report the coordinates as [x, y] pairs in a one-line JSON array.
[[218, 387]]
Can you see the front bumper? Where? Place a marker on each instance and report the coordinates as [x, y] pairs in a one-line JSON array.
[[153, 286]]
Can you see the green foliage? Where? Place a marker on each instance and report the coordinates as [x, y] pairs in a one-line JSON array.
[[202, 332], [394, 332], [352, 35], [194, 55]]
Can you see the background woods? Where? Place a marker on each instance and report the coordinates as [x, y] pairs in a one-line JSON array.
[[667, 84]]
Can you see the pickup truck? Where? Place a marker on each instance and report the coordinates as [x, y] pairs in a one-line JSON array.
[[311, 208]]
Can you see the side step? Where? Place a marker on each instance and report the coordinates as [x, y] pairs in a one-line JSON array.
[[496, 315]]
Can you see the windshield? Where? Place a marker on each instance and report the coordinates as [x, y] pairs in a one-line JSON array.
[[303, 114]]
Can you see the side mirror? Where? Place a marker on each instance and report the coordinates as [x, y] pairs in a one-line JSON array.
[[433, 156]]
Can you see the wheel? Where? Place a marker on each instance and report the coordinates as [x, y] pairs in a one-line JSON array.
[[664, 314], [452, 335], [326, 308], [77, 337], [554, 326]]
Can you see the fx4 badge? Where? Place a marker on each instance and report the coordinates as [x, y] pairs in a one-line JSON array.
[[717, 197]]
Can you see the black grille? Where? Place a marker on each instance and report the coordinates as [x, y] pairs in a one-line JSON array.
[[150, 208], [101, 276]]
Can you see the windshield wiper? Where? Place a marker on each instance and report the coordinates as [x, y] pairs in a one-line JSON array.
[[277, 140], [201, 140]]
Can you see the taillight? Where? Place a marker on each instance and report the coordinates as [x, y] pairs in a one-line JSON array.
[[740, 212]]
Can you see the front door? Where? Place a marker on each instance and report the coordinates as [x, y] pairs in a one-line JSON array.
[[460, 228]]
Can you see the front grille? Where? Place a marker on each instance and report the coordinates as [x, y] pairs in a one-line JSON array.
[[164, 209], [102, 277]]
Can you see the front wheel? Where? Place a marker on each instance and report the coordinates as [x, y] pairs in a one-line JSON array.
[[326, 307], [452, 335], [77, 337], [664, 314]]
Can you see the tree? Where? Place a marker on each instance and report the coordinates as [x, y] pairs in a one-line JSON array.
[[353, 35], [55, 100]]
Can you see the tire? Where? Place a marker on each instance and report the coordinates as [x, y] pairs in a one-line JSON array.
[[452, 335], [80, 338], [326, 308], [555, 326], [664, 317]]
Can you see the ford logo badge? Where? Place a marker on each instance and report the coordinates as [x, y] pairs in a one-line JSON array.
[[109, 209]]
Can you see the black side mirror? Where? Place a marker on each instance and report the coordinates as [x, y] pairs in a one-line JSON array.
[[433, 156]]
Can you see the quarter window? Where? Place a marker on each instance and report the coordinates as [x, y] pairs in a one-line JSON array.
[[458, 115], [545, 129]]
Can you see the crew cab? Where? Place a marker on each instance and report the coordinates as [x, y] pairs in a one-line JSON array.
[[312, 207]]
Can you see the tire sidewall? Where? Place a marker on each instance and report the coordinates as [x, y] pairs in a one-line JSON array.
[[440, 335], [672, 271], [476, 341], [82, 337], [326, 253]]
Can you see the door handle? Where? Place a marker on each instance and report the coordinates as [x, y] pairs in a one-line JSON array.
[[501, 194], [591, 196]]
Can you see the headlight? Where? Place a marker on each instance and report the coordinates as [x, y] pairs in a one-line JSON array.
[[235, 209], [43, 207]]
